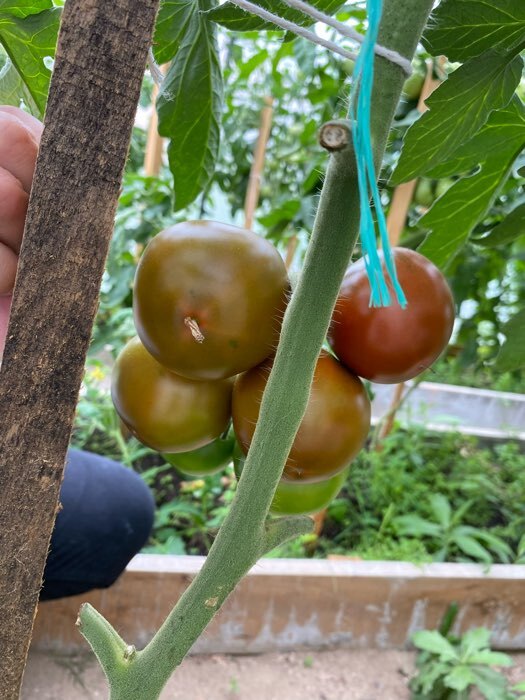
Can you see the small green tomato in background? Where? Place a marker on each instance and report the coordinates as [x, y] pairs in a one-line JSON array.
[[424, 195], [413, 86], [443, 185], [298, 498], [204, 461], [348, 66]]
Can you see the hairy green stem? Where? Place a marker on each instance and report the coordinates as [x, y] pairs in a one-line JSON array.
[[245, 536]]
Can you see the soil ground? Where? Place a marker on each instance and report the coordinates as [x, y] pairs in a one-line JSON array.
[[366, 674]]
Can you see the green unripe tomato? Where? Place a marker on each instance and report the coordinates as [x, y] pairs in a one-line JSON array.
[[348, 66], [424, 195], [207, 460], [167, 412], [298, 498], [413, 86], [443, 185]]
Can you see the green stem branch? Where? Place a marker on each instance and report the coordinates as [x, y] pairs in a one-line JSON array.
[[243, 537]]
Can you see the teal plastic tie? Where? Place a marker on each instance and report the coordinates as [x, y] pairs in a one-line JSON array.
[[359, 115]]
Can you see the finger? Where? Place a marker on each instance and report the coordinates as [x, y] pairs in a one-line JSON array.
[[32, 123], [18, 149], [8, 263], [13, 209], [5, 306]]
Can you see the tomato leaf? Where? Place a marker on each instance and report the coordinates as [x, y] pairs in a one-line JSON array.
[[28, 33], [171, 26], [512, 353], [504, 126], [462, 29], [453, 216], [511, 228], [189, 108], [239, 20], [13, 89], [457, 110]]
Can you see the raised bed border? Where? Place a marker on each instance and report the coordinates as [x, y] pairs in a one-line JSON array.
[[286, 604]]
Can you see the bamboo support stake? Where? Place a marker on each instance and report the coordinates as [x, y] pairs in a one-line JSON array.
[[254, 183], [154, 143]]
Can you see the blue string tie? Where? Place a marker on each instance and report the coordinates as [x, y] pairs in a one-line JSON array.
[[359, 115]]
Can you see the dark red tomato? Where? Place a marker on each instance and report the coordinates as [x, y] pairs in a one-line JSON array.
[[391, 344], [296, 497], [209, 299], [210, 459], [334, 427], [164, 411]]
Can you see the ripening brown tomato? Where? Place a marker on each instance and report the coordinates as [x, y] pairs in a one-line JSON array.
[[391, 344], [167, 412], [209, 299], [333, 429]]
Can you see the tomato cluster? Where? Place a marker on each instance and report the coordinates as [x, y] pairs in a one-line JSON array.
[[208, 303]]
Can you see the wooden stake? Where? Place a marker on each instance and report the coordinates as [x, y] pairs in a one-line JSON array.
[[254, 183], [154, 143], [89, 118]]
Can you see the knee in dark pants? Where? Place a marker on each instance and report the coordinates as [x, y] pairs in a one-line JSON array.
[[106, 518]]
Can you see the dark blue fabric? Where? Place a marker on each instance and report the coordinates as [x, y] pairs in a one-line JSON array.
[[105, 519]]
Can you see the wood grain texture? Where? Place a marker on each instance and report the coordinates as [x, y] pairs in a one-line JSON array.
[[95, 88], [287, 604]]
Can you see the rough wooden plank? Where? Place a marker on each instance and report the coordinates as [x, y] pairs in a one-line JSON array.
[[95, 88], [291, 604]]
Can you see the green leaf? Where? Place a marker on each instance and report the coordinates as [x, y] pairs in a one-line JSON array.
[[171, 26], [189, 107], [453, 216], [414, 526], [490, 683], [462, 29], [433, 641], [24, 8], [511, 228], [237, 19], [460, 678], [472, 548], [13, 89], [441, 508], [503, 131], [512, 353], [28, 33], [457, 110], [490, 658], [474, 640]]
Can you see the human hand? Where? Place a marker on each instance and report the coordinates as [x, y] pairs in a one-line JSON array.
[[19, 139]]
